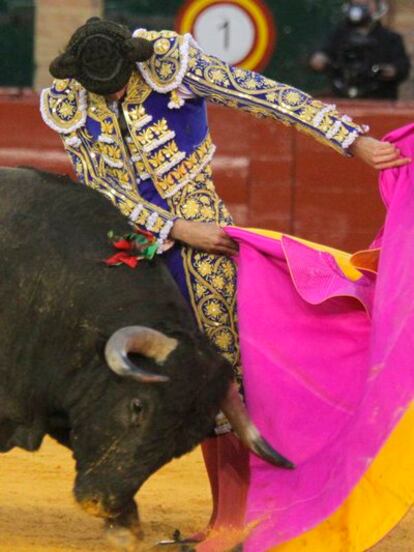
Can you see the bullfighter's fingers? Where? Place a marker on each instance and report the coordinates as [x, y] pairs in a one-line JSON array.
[[226, 241], [393, 164], [224, 250], [389, 156], [387, 147]]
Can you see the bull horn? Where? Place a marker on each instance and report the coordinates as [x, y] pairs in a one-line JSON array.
[[142, 340], [236, 413]]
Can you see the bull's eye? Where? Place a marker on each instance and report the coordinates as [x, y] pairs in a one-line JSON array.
[[137, 411]]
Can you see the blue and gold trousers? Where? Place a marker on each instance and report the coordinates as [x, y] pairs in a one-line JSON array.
[[207, 281]]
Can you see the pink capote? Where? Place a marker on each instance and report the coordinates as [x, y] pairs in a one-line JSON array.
[[328, 362]]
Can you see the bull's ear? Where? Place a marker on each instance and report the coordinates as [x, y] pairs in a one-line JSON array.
[[137, 411]]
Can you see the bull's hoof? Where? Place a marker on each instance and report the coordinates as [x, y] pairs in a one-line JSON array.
[[121, 538]]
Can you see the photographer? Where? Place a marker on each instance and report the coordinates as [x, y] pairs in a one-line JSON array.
[[362, 58]]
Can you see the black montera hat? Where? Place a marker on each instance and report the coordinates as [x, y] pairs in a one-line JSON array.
[[101, 56]]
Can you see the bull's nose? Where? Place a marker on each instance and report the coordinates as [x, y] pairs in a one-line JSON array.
[[89, 500], [94, 506], [98, 504]]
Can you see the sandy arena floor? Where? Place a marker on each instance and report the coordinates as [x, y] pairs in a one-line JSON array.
[[38, 514]]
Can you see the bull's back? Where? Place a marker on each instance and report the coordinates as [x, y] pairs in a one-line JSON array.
[[53, 282], [54, 206], [53, 237]]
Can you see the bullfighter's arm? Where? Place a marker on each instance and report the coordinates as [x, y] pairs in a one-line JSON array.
[[142, 213], [224, 84]]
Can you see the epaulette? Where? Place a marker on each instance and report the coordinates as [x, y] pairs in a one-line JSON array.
[[64, 106], [165, 70]]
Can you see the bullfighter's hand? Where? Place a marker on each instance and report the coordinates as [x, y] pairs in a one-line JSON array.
[[208, 236], [377, 154]]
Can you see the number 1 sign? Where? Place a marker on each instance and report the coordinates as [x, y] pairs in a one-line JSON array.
[[240, 32]]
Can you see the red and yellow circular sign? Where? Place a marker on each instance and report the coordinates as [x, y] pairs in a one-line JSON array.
[[240, 32]]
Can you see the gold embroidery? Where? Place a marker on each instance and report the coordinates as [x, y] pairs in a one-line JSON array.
[[188, 168], [107, 127], [168, 166], [160, 158], [137, 90], [220, 83], [61, 84], [152, 35], [63, 106], [145, 137], [154, 150], [161, 127], [65, 109], [210, 278], [164, 67], [157, 133], [116, 184], [161, 46]]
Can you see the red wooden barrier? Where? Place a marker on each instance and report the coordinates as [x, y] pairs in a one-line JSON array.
[[269, 175]]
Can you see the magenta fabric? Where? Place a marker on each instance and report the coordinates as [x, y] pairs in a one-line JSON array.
[[328, 362]]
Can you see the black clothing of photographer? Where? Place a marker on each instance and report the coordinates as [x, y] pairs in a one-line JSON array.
[[362, 58]]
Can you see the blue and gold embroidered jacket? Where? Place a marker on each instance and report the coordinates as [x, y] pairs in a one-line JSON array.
[[169, 140]]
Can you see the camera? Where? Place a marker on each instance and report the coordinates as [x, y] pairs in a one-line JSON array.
[[357, 14], [355, 72]]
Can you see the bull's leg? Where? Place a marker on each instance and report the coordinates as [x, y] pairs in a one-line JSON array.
[[7, 430], [128, 518], [124, 530], [61, 435], [120, 514], [15, 434], [17, 429]]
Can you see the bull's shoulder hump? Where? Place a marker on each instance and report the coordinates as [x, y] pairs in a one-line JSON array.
[[165, 70], [64, 106]]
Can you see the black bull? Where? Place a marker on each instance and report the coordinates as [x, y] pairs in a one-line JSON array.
[[59, 305]]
